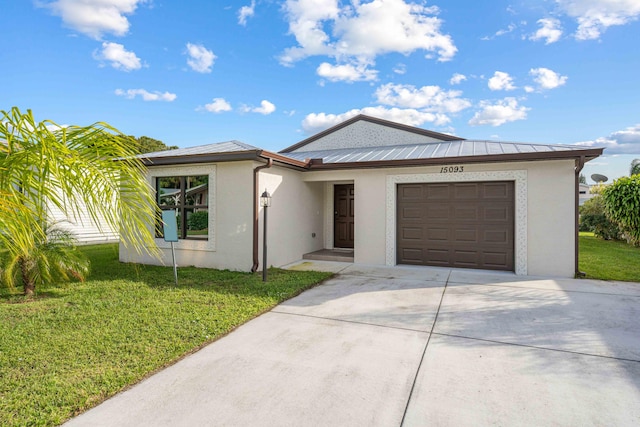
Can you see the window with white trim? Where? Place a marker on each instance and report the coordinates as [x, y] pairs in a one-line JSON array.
[[188, 196]]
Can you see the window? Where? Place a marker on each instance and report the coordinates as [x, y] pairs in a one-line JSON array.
[[188, 196]]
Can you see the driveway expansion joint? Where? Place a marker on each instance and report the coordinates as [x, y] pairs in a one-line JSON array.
[[424, 352], [505, 285], [535, 347], [355, 322]]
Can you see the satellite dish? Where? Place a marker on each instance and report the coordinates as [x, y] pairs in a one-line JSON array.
[[599, 178]]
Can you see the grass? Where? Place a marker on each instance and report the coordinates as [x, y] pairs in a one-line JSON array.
[[608, 259], [77, 344]]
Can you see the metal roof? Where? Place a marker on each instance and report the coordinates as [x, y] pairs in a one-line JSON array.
[[433, 150], [217, 148]]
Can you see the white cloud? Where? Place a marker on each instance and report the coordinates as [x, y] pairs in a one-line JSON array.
[[218, 105], [457, 78], [399, 103], [595, 16], [501, 81], [502, 32], [146, 96], [200, 58], [550, 31], [361, 31], [246, 12], [347, 72], [96, 17], [426, 98], [499, 113], [400, 69], [546, 78], [317, 122], [621, 142], [118, 56], [265, 108]]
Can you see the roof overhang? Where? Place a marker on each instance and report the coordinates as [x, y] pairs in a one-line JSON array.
[[588, 154], [235, 156]]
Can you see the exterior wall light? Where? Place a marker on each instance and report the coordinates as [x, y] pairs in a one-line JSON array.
[[265, 202]]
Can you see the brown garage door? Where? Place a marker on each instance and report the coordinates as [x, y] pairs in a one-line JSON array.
[[468, 225]]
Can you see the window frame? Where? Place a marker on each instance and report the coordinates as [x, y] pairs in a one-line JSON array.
[[182, 208]]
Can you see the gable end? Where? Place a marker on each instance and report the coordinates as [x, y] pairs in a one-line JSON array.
[[417, 133]]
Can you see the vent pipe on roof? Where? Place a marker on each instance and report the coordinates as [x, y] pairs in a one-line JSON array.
[[256, 213]]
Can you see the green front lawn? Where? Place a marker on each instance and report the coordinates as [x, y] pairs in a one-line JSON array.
[[77, 344], [608, 259]]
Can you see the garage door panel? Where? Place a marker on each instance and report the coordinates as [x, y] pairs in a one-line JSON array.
[[465, 191], [497, 260], [412, 213], [496, 236], [473, 227], [412, 233], [412, 256], [497, 213], [466, 258], [435, 234], [466, 213], [437, 192], [497, 190], [466, 236], [438, 212], [437, 257]]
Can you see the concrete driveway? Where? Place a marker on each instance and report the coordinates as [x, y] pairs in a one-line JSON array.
[[413, 347]]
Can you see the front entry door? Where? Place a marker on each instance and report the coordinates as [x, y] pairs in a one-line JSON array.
[[343, 225]]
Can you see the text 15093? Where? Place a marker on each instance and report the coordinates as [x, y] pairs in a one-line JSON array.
[[451, 169]]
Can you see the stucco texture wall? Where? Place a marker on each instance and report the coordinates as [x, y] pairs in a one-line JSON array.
[[229, 245], [294, 220], [545, 230]]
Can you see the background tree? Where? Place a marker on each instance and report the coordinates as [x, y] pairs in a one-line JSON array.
[[622, 202], [593, 218], [146, 144], [582, 179], [77, 169], [597, 188], [635, 167]]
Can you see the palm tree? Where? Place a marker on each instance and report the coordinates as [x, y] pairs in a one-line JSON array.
[[77, 169], [635, 167], [53, 257]]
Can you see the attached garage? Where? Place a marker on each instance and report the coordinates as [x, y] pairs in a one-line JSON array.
[[456, 224]]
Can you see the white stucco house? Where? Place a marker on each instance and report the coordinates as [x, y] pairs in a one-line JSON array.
[[378, 193]]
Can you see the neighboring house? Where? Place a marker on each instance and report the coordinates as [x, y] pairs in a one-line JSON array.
[[584, 193], [85, 229], [384, 194]]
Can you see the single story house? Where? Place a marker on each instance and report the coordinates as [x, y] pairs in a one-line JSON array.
[[378, 193]]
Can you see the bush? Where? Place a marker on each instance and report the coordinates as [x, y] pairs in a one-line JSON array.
[[597, 188], [198, 220], [593, 218], [622, 203]]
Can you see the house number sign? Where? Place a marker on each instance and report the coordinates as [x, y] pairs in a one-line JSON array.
[[451, 169]]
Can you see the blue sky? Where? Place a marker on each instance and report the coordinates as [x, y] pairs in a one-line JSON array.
[[270, 73]]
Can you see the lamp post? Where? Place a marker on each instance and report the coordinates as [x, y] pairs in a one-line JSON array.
[[265, 202]]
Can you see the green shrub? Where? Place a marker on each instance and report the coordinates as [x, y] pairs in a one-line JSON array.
[[198, 220], [593, 218], [622, 203]]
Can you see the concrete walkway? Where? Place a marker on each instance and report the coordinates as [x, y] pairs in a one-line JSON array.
[[410, 346]]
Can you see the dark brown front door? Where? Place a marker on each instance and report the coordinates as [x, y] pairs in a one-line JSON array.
[[343, 216], [465, 224]]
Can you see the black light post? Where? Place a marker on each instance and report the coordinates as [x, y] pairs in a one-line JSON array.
[[265, 202]]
